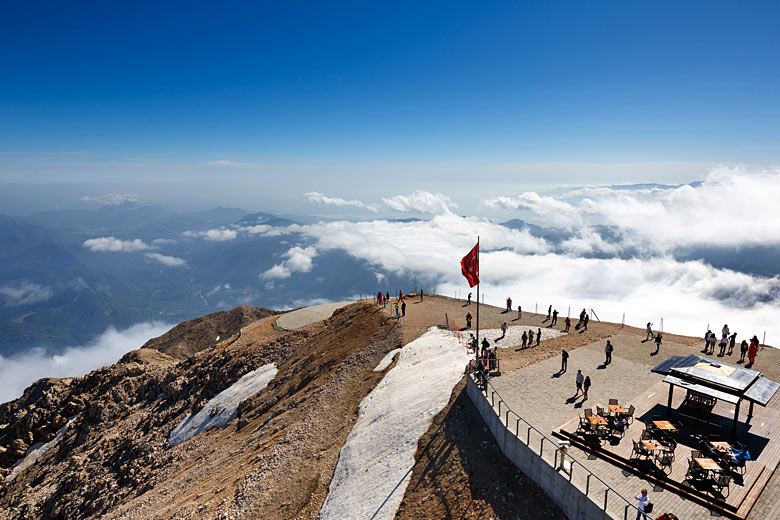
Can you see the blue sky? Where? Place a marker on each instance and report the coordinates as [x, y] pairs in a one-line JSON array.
[[342, 97]]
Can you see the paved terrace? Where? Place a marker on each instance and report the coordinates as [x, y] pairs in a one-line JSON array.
[[546, 401]]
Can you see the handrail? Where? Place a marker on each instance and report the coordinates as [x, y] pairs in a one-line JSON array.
[[474, 368]]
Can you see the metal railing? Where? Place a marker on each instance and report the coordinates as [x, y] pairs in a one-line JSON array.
[[479, 378]]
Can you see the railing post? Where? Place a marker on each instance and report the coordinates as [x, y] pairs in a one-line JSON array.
[[587, 484], [492, 398], [625, 512], [606, 495], [499, 409], [517, 427], [541, 447], [528, 438]]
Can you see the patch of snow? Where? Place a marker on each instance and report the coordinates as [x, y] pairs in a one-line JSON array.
[[386, 360], [36, 450], [375, 463], [223, 407]]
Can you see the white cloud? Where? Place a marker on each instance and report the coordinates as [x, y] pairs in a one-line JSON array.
[[163, 241], [298, 259], [421, 202], [19, 372], [552, 212], [25, 293], [112, 199], [228, 163], [214, 235], [115, 245], [687, 294], [170, 261], [314, 196]]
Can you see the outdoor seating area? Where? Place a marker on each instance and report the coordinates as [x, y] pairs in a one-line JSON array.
[[694, 458]]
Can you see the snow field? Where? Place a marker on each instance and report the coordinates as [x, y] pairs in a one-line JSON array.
[[36, 450], [386, 360], [223, 407], [375, 462]]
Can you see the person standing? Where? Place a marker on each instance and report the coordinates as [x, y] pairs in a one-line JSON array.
[[732, 342], [586, 387], [585, 323], [608, 351], [743, 349], [752, 349], [650, 334], [503, 330], [579, 379], [403, 309], [712, 343], [658, 339], [421, 295], [644, 500], [468, 300], [485, 346], [525, 339], [397, 314], [519, 312], [538, 336], [549, 312], [568, 324], [564, 360], [387, 296], [554, 317], [508, 304], [468, 320], [723, 342]]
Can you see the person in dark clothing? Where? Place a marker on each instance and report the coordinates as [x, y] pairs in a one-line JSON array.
[[568, 324], [525, 339], [585, 388], [658, 339], [421, 295], [608, 351], [743, 349], [403, 309], [538, 336], [554, 317], [468, 300], [468, 320], [564, 360], [732, 342], [585, 321], [485, 345]]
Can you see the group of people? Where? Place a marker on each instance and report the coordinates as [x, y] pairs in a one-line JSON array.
[[400, 303], [728, 341]]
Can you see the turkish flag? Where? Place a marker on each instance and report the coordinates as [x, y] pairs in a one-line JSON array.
[[469, 266]]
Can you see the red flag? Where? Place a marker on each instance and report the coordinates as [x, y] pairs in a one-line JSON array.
[[469, 266]]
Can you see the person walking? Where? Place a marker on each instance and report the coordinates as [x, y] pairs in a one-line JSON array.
[[650, 334], [586, 387], [503, 330], [549, 312], [608, 351], [403, 309], [579, 379], [568, 324], [644, 500], [538, 336], [564, 360], [468, 300]]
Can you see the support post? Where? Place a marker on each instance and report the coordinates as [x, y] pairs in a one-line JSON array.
[[669, 402], [736, 418], [750, 412]]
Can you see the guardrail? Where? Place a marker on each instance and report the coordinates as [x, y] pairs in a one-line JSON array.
[[478, 377]]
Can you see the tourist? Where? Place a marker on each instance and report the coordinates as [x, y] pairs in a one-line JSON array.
[[707, 340], [525, 338], [732, 342], [468, 300], [723, 342], [472, 342], [579, 379], [397, 314], [644, 500], [564, 360], [585, 321], [403, 308], [519, 312], [508, 304], [743, 349], [485, 345], [586, 387], [421, 295], [658, 339], [549, 313], [713, 339], [725, 331], [538, 336], [503, 330], [650, 334], [752, 349], [468, 320], [608, 351], [568, 324], [554, 317]]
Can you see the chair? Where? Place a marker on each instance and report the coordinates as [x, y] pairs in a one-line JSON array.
[[640, 450], [588, 412], [584, 425], [665, 460], [646, 435], [721, 483], [696, 454], [613, 402], [600, 411], [695, 472], [630, 414]]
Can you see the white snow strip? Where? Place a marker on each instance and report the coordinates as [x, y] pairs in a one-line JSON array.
[[36, 450], [386, 360], [514, 335], [223, 407], [375, 463]]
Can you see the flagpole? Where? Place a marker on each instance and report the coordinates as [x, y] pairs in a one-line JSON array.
[[478, 295]]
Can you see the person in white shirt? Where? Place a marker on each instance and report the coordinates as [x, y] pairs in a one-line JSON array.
[[643, 501]]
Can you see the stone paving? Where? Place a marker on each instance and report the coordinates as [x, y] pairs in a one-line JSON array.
[[546, 400]]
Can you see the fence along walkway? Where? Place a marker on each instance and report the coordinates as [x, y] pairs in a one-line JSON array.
[[548, 450]]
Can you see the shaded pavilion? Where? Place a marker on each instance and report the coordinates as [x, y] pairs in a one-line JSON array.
[[707, 380]]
